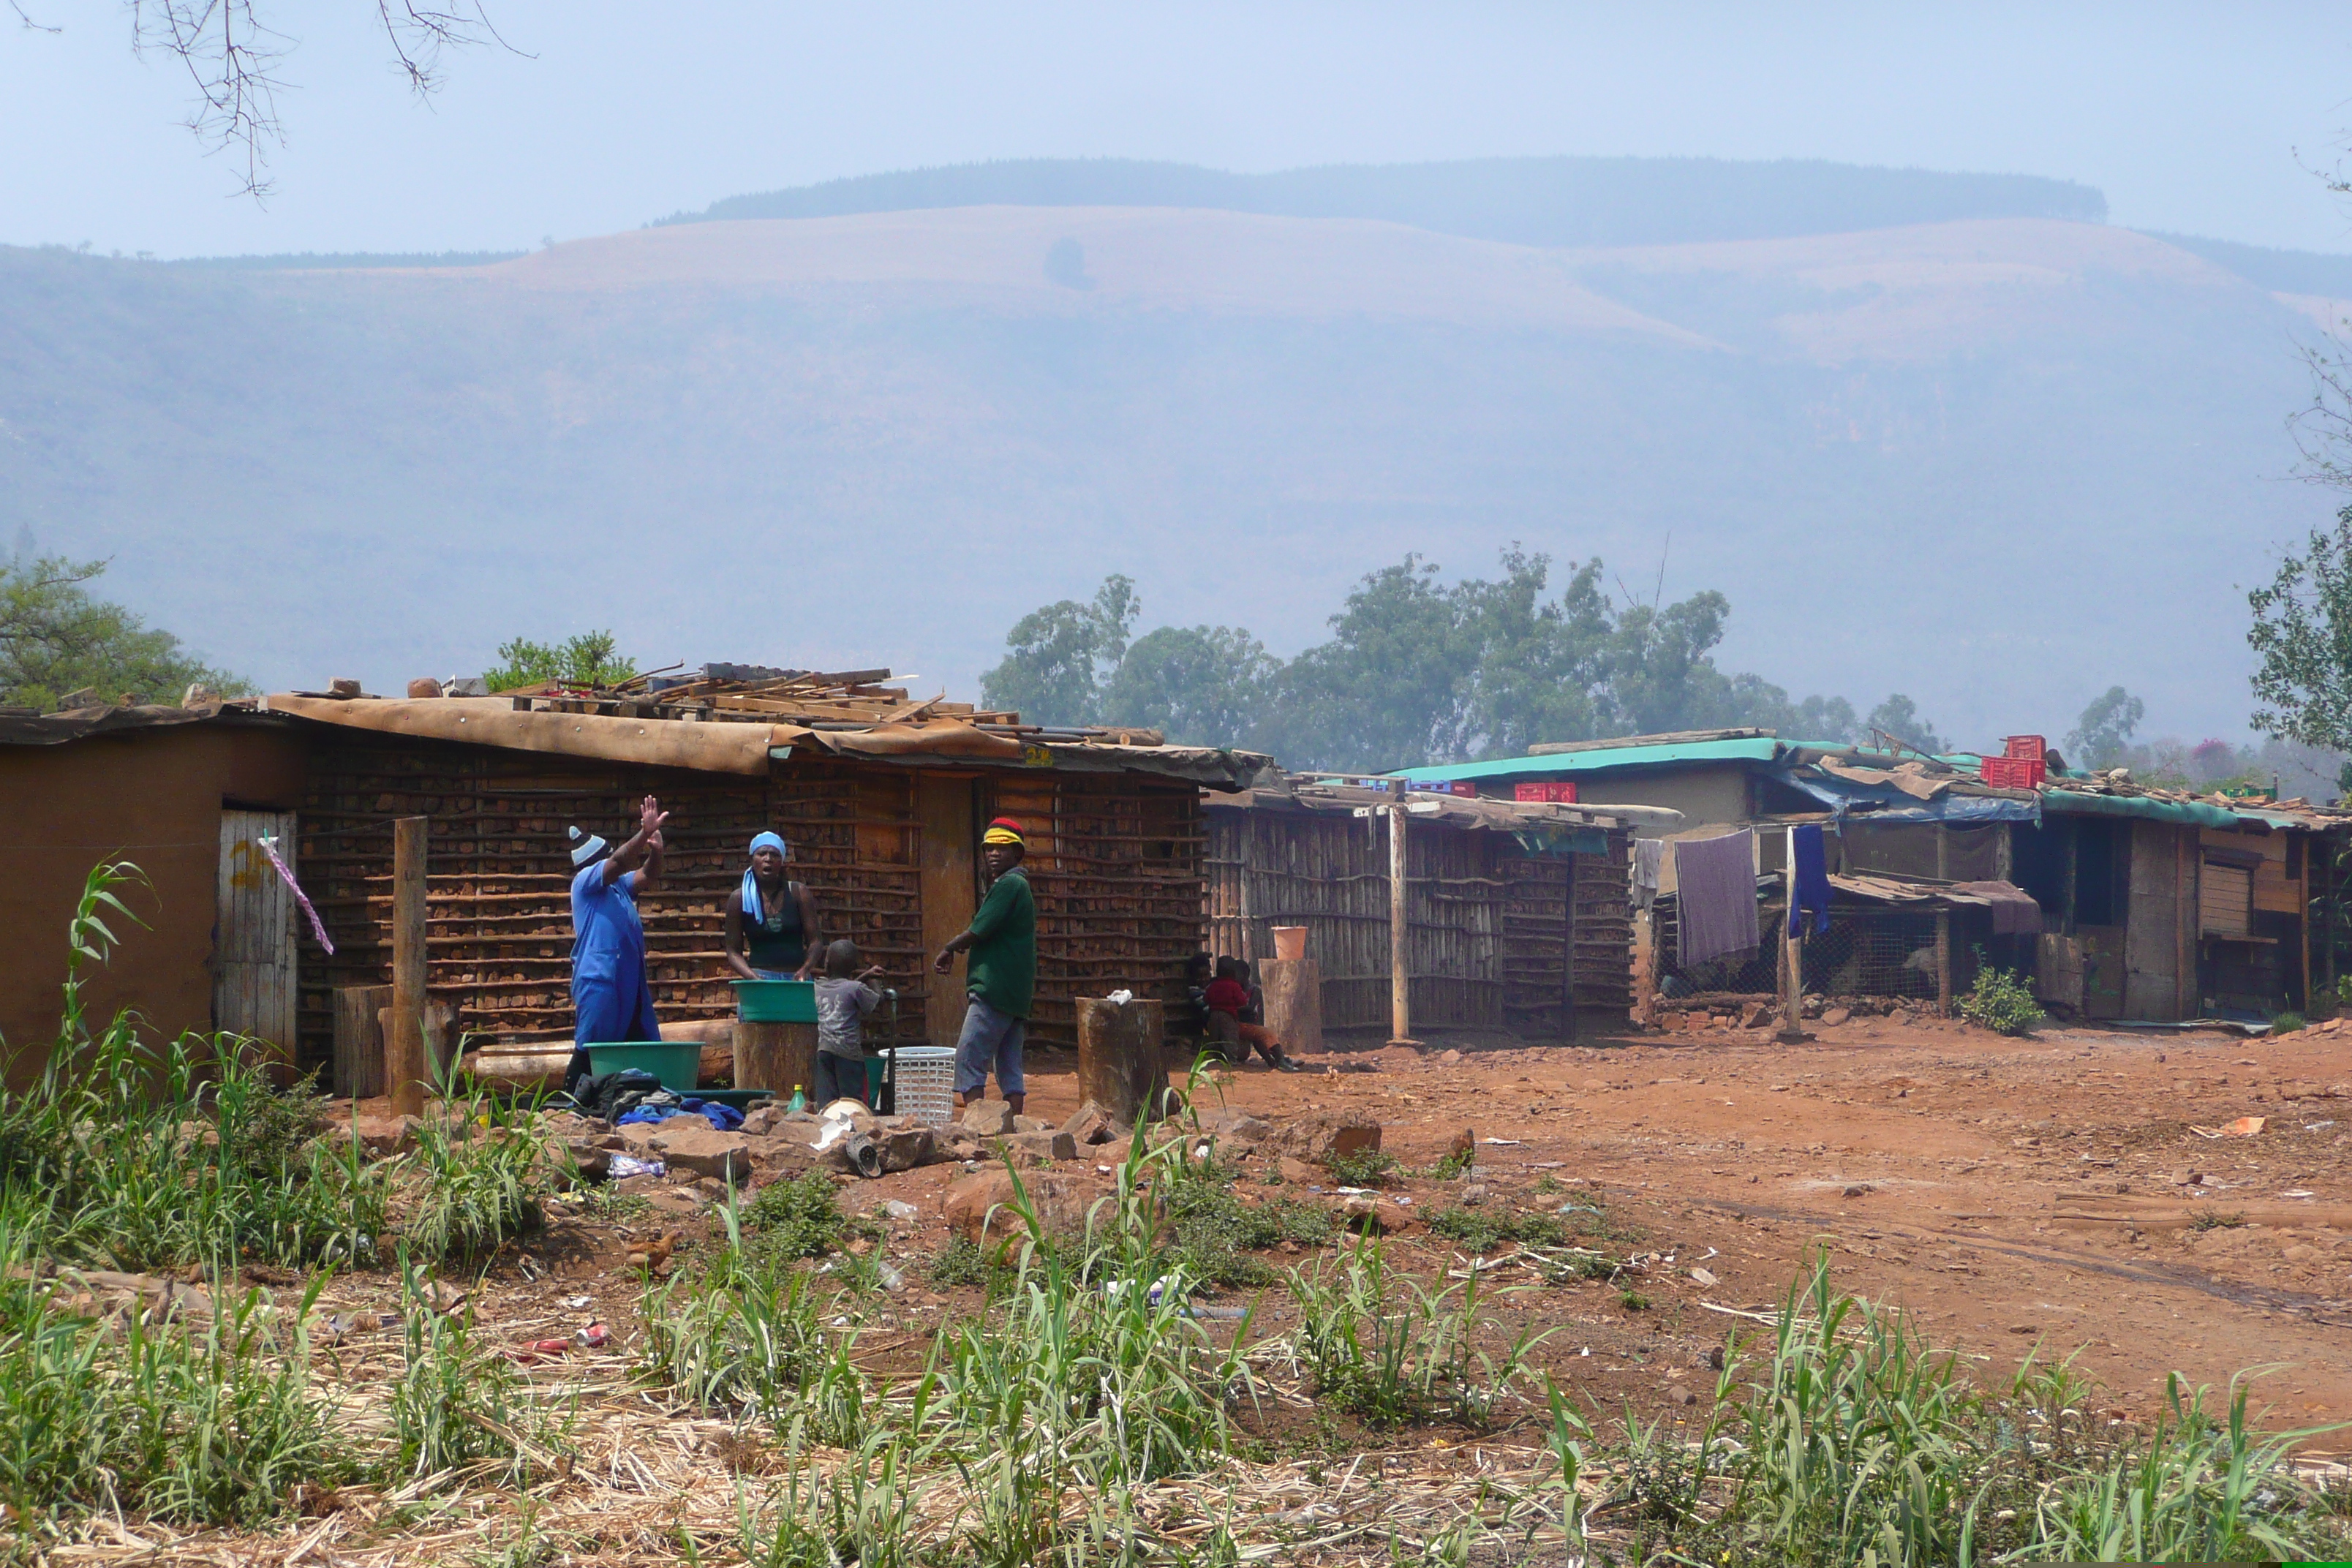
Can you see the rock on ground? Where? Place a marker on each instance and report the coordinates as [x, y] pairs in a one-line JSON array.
[[980, 1206], [987, 1118], [1323, 1135], [1093, 1125], [703, 1149]]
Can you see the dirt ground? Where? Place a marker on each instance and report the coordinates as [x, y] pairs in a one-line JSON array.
[[2044, 1196]]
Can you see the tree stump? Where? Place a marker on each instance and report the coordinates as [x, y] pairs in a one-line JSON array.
[[359, 1040], [1292, 988], [1120, 1067], [776, 1058]]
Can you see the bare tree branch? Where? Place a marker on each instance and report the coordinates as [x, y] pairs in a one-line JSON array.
[[419, 35], [233, 59]]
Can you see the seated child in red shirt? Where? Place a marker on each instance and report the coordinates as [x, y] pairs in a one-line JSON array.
[[1230, 995]]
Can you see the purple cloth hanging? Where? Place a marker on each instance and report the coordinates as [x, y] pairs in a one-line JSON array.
[[1715, 889]]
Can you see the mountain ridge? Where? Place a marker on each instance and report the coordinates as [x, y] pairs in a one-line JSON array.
[[1999, 465]]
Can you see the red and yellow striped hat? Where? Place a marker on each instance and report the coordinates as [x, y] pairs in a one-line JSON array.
[[1003, 831]]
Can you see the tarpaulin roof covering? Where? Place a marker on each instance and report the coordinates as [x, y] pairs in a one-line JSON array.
[[1850, 797], [2152, 808], [739, 746]]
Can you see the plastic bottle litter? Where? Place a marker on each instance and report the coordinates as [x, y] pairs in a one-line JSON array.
[[898, 1210], [891, 1279], [799, 1101]]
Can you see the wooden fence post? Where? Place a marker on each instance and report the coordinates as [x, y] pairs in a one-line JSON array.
[[405, 1050], [1400, 927]]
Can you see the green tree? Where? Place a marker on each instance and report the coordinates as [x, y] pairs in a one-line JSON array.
[[1415, 670], [591, 658], [2302, 637], [1660, 675], [1539, 665], [2102, 736], [1203, 686], [1824, 719], [1060, 658], [1899, 716], [57, 638], [1382, 691]]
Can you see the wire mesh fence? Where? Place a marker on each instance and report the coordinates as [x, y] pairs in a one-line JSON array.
[[1868, 950]]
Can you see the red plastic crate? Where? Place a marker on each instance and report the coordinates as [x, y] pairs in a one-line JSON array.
[[2015, 772], [2026, 748], [1552, 792]]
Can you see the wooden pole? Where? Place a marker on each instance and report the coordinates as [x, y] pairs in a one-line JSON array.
[[1568, 958], [405, 1049], [1400, 928], [1944, 962], [1792, 951]]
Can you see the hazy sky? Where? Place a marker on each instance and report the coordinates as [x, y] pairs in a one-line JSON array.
[[2190, 117]]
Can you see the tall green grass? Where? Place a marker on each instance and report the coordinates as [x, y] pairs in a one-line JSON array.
[[198, 1421], [1389, 1351], [146, 1157], [1844, 1437]]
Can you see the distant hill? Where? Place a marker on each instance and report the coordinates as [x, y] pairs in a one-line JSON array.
[[2286, 271], [1525, 201], [308, 261], [1999, 464]]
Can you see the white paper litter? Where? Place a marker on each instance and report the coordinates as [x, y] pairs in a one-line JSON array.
[[1120, 998]]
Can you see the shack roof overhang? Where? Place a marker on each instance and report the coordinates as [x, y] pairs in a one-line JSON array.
[[740, 748], [1539, 827], [753, 748], [1763, 749]]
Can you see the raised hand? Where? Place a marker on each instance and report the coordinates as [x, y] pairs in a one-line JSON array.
[[650, 817]]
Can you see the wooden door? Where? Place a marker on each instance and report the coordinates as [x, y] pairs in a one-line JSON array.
[[948, 868], [2152, 924], [254, 934]]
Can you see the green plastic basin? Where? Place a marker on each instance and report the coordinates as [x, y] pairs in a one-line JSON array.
[[776, 1001], [678, 1063]]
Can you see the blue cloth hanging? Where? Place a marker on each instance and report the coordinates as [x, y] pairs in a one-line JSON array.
[[1809, 880]]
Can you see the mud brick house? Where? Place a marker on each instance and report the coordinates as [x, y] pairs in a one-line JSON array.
[[882, 799]]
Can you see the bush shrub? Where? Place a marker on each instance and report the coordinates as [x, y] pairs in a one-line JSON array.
[[1999, 1001]]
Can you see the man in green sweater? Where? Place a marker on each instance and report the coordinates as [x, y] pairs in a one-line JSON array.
[[1000, 976]]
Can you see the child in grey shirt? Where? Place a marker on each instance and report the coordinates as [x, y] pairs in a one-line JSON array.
[[842, 1000]]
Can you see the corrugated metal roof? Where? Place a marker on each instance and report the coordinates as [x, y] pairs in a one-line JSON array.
[[1560, 765]]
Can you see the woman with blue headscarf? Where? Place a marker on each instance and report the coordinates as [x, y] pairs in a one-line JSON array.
[[771, 925]]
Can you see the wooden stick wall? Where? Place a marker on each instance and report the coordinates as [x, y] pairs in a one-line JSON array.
[[1485, 918], [1116, 865], [1114, 861]]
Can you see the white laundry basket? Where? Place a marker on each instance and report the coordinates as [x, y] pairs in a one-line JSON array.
[[924, 1076]]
